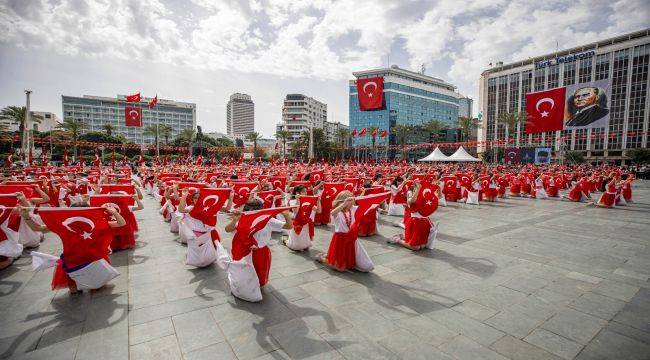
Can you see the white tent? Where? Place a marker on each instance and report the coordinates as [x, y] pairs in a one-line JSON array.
[[461, 155], [436, 155]]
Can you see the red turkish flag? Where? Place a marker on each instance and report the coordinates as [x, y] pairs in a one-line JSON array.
[[545, 110], [123, 189], [248, 224], [66, 162], [370, 93], [354, 132], [384, 133], [27, 190], [133, 98], [242, 191], [366, 204], [427, 200], [331, 190], [363, 132], [121, 203], [268, 196], [374, 132], [316, 176], [303, 214], [96, 162], [278, 182], [141, 159], [209, 202], [85, 233], [153, 102], [132, 116]]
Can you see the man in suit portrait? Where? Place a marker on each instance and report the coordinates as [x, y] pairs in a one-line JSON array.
[[585, 106]]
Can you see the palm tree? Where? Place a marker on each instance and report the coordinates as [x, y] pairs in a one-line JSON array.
[[165, 131], [283, 135], [401, 134], [467, 126], [435, 127], [16, 114], [108, 128], [510, 120], [73, 129], [153, 131], [342, 134], [254, 137]]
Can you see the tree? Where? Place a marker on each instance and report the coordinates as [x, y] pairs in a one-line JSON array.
[[108, 128], [321, 146], [373, 139], [165, 131], [401, 134], [342, 134], [467, 126], [283, 135], [435, 127], [510, 120], [16, 115], [254, 137], [153, 131], [73, 129], [493, 153], [638, 156]]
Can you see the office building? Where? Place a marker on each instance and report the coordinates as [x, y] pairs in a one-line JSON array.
[[622, 61], [240, 116], [332, 133], [410, 98], [95, 112], [299, 113], [465, 107]]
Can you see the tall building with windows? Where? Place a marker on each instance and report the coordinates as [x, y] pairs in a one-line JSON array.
[[333, 133], [299, 113], [240, 116], [95, 112], [465, 105], [623, 60], [410, 98]]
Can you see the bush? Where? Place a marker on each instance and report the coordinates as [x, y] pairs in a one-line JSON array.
[[638, 156]]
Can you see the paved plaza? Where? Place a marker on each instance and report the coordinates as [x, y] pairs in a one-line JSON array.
[[517, 279]]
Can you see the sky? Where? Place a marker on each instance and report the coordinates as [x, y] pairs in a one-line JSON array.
[[201, 51]]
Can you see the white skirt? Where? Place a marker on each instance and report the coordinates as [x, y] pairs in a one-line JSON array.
[[395, 209], [300, 241]]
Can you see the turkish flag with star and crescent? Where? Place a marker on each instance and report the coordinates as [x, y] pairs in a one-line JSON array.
[[248, 224], [133, 98], [132, 116], [545, 110], [368, 203], [84, 232], [370, 93], [427, 200], [209, 202], [122, 203]]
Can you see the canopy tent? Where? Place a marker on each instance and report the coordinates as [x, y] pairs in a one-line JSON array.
[[462, 155], [436, 155]]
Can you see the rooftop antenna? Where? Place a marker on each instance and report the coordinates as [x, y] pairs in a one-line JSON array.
[[422, 69]]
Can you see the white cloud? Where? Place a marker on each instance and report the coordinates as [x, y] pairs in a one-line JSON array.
[[323, 39]]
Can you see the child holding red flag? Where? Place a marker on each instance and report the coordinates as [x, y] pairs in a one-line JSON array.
[[86, 236], [306, 208], [253, 233], [420, 232]]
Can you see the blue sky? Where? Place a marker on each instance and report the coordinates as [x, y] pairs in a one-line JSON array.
[[201, 51]]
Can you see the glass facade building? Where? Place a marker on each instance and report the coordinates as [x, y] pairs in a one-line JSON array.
[[95, 112], [410, 98], [623, 59]]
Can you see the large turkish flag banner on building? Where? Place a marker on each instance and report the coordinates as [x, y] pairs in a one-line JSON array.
[[545, 110], [133, 116], [371, 93]]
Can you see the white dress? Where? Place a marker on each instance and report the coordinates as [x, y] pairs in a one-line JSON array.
[[395, 209], [302, 241]]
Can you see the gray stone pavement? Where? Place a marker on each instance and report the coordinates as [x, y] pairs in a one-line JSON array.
[[518, 279]]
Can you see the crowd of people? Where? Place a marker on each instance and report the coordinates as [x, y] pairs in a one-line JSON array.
[[92, 209]]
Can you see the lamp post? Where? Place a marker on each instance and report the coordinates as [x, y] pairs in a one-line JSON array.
[[26, 146]]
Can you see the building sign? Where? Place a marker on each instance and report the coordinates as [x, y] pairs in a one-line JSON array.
[[566, 58]]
